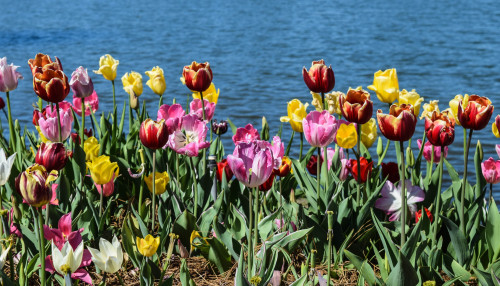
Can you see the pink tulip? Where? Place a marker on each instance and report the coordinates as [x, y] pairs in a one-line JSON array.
[[49, 126], [278, 150], [14, 227], [190, 139], [344, 172], [109, 187], [319, 128], [172, 114], [196, 108], [491, 170], [428, 151], [390, 202], [246, 134], [8, 76], [331, 152], [252, 162], [91, 102], [81, 83]]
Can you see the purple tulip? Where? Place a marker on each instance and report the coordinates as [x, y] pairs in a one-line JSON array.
[[91, 102], [278, 150], [81, 83], [252, 162], [190, 138], [49, 126], [172, 114], [491, 170], [319, 128], [390, 202], [8, 76]]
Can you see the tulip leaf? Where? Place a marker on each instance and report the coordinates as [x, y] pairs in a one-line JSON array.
[[492, 231], [478, 159], [237, 223], [305, 183], [233, 127], [364, 268], [128, 240], [122, 120], [458, 241], [142, 225], [390, 248], [239, 278], [226, 237], [301, 281], [453, 269], [185, 277], [266, 224], [290, 242], [184, 226], [403, 273], [483, 277], [217, 254], [452, 172]]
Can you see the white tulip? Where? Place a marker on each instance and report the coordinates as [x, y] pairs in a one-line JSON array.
[[109, 257], [5, 166], [66, 260], [3, 257]]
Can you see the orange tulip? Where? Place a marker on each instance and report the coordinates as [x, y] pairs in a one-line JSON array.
[[356, 106]]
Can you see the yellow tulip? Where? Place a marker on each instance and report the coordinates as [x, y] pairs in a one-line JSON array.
[[411, 97], [454, 105], [156, 80], [132, 83], [347, 137], [91, 148], [211, 94], [196, 235], [161, 181], [107, 67], [385, 85], [296, 113], [429, 108], [369, 132], [147, 246], [102, 169], [317, 101], [494, 129]]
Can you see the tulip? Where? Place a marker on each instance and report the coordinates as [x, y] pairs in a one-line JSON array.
[[430, 107], [476, 114], [153, 134], [347, 137], [34, 185], [268, 184], [41, 60], [495, 127], [106, 189], [391, 202], [211, 94], [296, 114], [107, 67], [2, 103], [91, 104], [109, 257], [391, 171], [344, 170], [156, 80], [67, 260], [161, 181], [491, 170], [81, 83], [385, 85], [8, 76], [50, 127], [147, 246], [369, 132], [76, 138], [312, 165], [418, 215], [49, 81], [5, 166], [428, 151], [285, 167], [440, 129], [190, 139], [52, 156], [172, 114], [132, 83], [455, 102], [219, 128], [366, 168], [332, 99], [251, 162], [497, 149], [208, 108], [356, 106], [399, 124], [91, 148], [102, 169], [278, 151], [223, 167], [246, 134], [319, 128], [59, 236], [319, 78], [411, 97], [198, 76]]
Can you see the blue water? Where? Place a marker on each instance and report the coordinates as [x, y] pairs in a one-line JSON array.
[[258, 48]]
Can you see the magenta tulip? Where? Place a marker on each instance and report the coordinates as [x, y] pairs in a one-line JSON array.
[[246, 134], [252, 162], [491, 170], [172, 114], [190, 138], [197, 108], [319, 128], [8, 76], [91, 103], [428, 151]]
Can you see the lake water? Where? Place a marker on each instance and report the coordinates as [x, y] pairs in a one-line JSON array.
[[258, 48]]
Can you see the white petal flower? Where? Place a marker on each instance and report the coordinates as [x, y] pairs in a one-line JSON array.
[[5, 166], [67, 260], [109, 257]]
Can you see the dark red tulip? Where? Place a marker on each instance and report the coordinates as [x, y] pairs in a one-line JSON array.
[[153, 134], [197, 76], [52, 156], [391, 171], [222, 166], [476, 114], [267, 185], [356, 106], [319, 78], [399, 124], [312, 166], [366, 168], [440, 129]]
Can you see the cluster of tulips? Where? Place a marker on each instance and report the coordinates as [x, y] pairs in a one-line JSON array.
[[64, 147]]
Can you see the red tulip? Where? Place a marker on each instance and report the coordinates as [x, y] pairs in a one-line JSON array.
[[49, 81], [285, 167], [476, 114], [312, 166], [418, 215], [267, 185], [52, 156], [75, 137], [198, 76], [391, 171], [399, 124], [319, 78], [222, 166], [153, 134], [440, 129], [366, 168], [356, 106]]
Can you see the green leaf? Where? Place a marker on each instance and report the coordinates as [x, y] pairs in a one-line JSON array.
[[403, 274], [290, 242], [237, 223], [239, 278], [492, 231], [483, 277], [266, 224], [458, 240], [453, 269], [185, 277], [215, 252], [390, 248], [364, 268], [184, 226]]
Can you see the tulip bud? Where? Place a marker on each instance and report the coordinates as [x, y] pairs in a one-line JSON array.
[[15, 207], [153, 134], [134, 101], [8, 76], [380, 147], [219, 128], [292, 196], [410, 159], [17, 126], [319, 78], [34, 185], [479, 151], [52, 156], [81, 83], [264, 133]]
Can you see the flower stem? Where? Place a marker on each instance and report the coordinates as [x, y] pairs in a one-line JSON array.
[[114, 105], [301, 145], [67, 279], [101, 200], [330, 238], [204, 117], [47, 212], [464, 182], [42, 247], [12, 139], [491, 195], [195, 189], [160, 103], [358, 157], [323, 100], [82, 127], [325, 164], [281, 206], [58, 121], [153, 194], [403, 195], [120, 279], [438, 197], [318, 172], [250, 227], [256, 226]]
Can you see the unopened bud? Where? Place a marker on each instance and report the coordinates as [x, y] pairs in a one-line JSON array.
[[380, 147]]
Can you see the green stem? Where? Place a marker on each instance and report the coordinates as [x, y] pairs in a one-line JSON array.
[[12, 139], [381, 158], [358, 179], [204, 117], [318, 169], [177, 170], [491, 195], [325, 164], [120, 279], [250, 227], [82, 127], [42, 247], [438, 198], [58, 121], [47, 211], [323, 100], [67, 279], [330, 238], [195, 189], [114, 105], [101, 200], [160, 103], [301, 145], [256, 225], [403, 195], [153, 209], [281, 206], [464, 183]]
